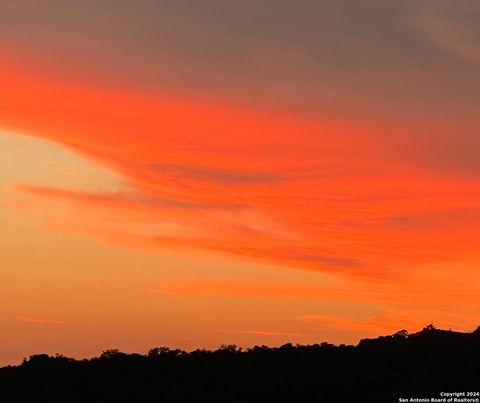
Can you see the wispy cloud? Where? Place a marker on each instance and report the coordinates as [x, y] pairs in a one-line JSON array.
[[41, 321], [449, 26], [395, 317], [249, 290], [427, 287], [120, 200], [219, 175], [267, 333]]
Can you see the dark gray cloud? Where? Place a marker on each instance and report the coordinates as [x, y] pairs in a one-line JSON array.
[[453, 218], [225, 176], [381, 55], [321, 259], [175, 203]]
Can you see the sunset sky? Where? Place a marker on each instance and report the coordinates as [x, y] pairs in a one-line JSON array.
[[193, 173]]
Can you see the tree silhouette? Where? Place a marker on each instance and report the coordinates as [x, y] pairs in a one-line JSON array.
[[376, 370]]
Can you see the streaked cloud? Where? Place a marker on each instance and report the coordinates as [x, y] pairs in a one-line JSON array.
[[41, 321], [452, 26], [223, 176], [267, 333], [393, 319]]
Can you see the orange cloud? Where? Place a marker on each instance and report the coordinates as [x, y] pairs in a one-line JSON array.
[[41, 321], [411, 302], [251, 290], [316, 193], [394, 318], [267, 333], [426, 287]]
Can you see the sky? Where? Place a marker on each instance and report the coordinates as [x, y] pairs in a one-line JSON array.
[[197, 173]]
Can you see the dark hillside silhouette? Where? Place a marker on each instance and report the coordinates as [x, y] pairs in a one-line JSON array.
[[377, 370]]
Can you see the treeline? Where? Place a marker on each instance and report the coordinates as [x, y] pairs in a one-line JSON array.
[[376, 370]]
